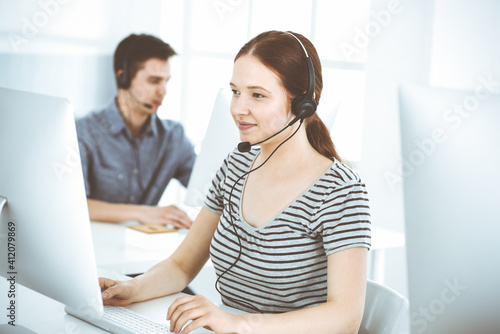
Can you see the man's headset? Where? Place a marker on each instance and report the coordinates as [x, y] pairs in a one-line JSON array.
[[303, 106], [124, 78]]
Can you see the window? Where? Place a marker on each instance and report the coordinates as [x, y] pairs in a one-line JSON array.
[[208, 33]]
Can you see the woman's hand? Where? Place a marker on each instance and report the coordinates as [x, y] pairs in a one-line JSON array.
[[116, 293], [202, 313]]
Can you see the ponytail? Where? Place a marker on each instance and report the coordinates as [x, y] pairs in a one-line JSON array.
[[319, 137]]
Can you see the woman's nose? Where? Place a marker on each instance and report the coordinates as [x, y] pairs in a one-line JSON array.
[[239, 106]]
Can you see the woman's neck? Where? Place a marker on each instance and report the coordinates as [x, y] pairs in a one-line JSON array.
[[294, 152]]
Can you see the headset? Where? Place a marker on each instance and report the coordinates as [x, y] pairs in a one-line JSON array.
[[124, 79], [303, 106]]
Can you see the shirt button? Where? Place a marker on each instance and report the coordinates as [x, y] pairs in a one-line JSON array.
[[135, 171], [120, 176], [132, 198]]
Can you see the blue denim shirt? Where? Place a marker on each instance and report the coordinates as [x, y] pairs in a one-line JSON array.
[[120, 168]]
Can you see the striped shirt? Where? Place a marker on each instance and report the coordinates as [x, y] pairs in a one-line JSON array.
[[283, 264]]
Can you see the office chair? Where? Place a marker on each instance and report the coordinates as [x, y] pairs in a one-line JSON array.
[[386, 311]]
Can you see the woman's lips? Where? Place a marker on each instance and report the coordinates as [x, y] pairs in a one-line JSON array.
[[242, 126]]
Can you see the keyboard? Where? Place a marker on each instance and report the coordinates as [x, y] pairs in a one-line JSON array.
[[124, 320], [121, 320]]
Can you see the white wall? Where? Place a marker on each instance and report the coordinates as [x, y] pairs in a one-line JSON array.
[[466, 44], [64, 47]]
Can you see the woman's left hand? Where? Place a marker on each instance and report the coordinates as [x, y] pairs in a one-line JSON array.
[[201, 312]]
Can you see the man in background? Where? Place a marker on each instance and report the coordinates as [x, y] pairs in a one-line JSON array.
[[128, 154]]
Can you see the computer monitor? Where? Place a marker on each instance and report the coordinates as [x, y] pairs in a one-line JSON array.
[[220, 139], [450, 172], [44, 226]]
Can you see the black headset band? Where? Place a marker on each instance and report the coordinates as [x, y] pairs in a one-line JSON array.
[[304, 105]]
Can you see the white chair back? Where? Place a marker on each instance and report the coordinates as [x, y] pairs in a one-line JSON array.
[[386, 311]]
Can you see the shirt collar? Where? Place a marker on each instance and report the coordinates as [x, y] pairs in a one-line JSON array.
[[116, 124]]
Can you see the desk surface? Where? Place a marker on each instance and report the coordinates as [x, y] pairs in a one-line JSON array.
[[115, 251], [114, 254], [42, 314]]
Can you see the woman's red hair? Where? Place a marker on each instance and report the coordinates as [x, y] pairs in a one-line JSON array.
[[282, 53]]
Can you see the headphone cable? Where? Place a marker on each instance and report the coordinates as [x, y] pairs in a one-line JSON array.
[[234, 226]]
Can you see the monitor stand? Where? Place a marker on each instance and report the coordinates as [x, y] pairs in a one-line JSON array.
[[6, 328]]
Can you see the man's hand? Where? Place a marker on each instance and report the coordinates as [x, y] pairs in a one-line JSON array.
[[163, 215]]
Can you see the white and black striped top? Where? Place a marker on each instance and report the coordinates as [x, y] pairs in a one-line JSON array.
[[283, 263]]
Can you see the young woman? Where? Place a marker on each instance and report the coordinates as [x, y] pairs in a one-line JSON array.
[[286, 225]]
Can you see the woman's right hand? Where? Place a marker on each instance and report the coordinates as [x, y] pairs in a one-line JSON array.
[[116, 293]]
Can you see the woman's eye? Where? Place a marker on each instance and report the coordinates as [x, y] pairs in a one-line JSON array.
[[257, 95], [235, 92]]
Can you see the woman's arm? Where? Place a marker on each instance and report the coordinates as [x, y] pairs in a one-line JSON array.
[[342, 312], [171, 275]]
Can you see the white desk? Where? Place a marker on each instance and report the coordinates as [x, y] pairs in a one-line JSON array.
[[382, 240], [112, 251], [45, 315], [42, 314]]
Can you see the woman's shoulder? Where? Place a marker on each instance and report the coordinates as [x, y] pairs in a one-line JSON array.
[[341, 174], [339, 182]]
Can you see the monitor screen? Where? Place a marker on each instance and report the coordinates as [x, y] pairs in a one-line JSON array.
[[221, 138], [44, 223], [450, 171]]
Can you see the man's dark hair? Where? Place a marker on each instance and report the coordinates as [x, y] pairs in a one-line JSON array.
[[133, 51]]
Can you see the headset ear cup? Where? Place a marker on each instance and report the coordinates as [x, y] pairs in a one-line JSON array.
[[119, 79], [303, 107], [123, 80]]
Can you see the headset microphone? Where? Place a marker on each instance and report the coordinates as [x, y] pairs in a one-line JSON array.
[[132, 95], [246, 146]]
